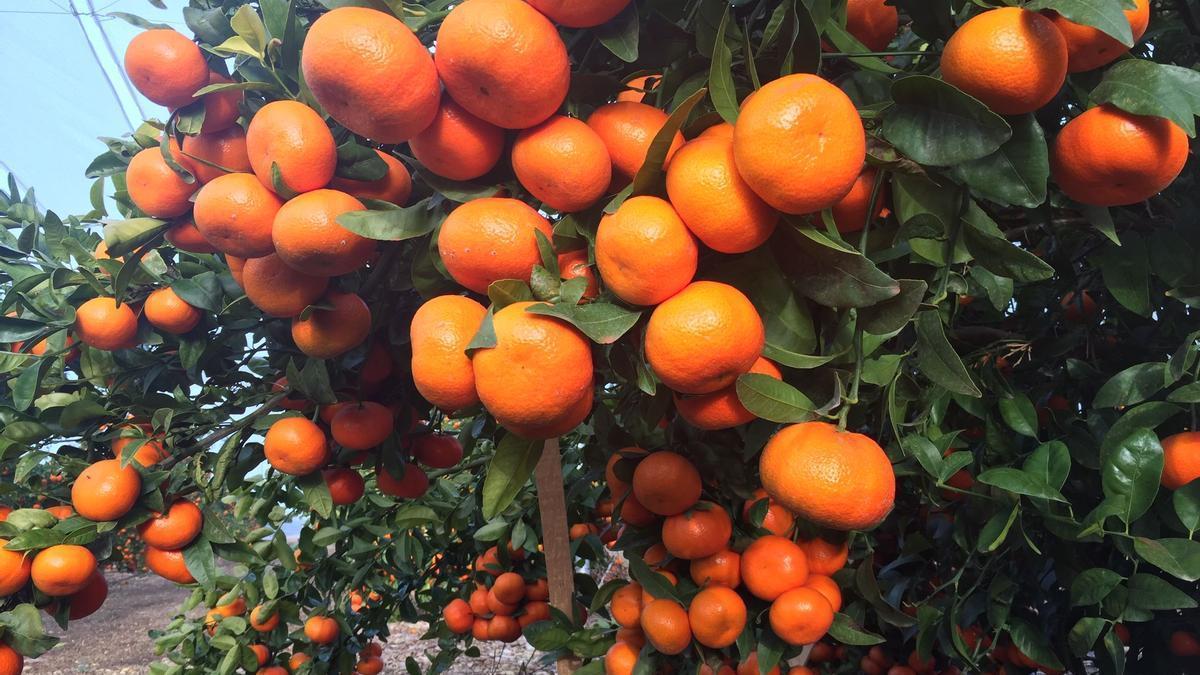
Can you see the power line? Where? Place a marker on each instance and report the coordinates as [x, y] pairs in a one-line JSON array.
[[117, 63]]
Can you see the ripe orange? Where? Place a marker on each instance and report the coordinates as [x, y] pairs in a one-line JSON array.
[[633, 637], [329, 333], [235, 266], [479, 629], [533, 612], [638, 89], [439, 451], [827, 587], [1012, 59], [292, 137], [362, 426], [799, 163], [175, 529], [666, 626], [666, 483], [644, 251], [235, 213], [346, 486], [295, 662], [503, 61], [225, 148], [801, 616], [165, 66], [85, 603], [185, 236], [168, 312], [722, 409], [563, 163], [1077, 308], [372, 649], [825, 556], [1108, 157], [262, 623], [155, 187], [580, 14], [750, 666], [14, 569], [626, 605], [837, 479], [504, 629], [633, 513], [713, 200], [321, 630], [872, 23], [850, 214], [370, 73], [698, 532], [101, 324], [722, 568], [296, 446], [62, 569], [618, 472], [1089, 48], [62, 511], [412, 484], [369, 665], [149, 453], [537, 380], [703, 338], [627, 129], [394, 187], [722, 130], [772, 565], [106, 490], [538, 590], [11, 661], [458, 145], [221, 108], [458, 616], [574, 265], [717, 616], [261, 654], [309, 239], [440, 332], [509, 588], [489, 239], [1181, 459], [1184, 644], [478, 601], [621, 659], [278, 289]]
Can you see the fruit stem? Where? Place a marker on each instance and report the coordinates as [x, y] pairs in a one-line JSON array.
[[852, 398]]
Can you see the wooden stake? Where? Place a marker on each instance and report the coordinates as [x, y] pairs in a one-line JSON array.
[[560, 567]]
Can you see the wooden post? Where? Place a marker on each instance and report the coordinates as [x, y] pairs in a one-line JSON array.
[[560, 566]]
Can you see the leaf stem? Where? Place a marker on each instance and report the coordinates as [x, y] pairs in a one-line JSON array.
[[852, 398]]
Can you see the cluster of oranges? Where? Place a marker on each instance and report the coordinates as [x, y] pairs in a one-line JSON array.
[[502, 605]]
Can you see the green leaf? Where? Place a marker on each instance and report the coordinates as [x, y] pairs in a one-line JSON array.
[[1020, 482], [397, 224], [1148, 88], [620, 35], [935, 123], [938, 360], [834, 276], [891, 315], [1149, 592], [652, 582], [1178, 557], [546, 636], [804, 51], [75, 414], [846, 631], [1126, 273], [1188, 393], [485, 337], [1017, 173], [1050, 462], [200, 561], [720, 75], [651, 176], [123, 236], [1130, 473], [508, 472], [925, 452], [1187, 505], [1093, 585], [316, 494], [504, 292], [996, 253], [1019, 414], [1104, 15], [1032, 642], [1132, 385], [359, 162], [1084, 633], [602, 322], [13, 329], [246, 23], [771, 399], [23, 631], [202, 291], [25, 387], [868, 588], [844, 41]]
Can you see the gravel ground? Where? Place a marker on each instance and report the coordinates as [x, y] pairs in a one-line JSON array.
[[114, 640]]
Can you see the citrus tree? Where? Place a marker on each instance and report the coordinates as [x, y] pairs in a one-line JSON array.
[[673, 336]]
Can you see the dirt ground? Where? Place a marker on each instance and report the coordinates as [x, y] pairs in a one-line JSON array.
[[114, 640]]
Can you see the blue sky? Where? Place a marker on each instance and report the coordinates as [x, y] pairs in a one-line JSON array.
[[64, 88]]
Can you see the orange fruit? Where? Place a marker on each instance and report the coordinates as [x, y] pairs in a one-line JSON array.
[[872, 23], [750, 666], [633, 637], [262, 623], [478, 601], [504, 629], [722, 409], [295, 445], [439, 451], [618, 472], [369, 665], [644, 251], [234, 213], [221, 108], [175, 529], [292, 137], [533, 612], [372, 649], [621, 659], [295, 662], [479, 629], [235, 266], [440, 332], [665, 624], [722, 130], [14, 569], [627, 129], [85, 602], [390, 93], [850, 213], [626, 605], [698, 532], [321, 630], [1184, 644], [509, 588], [777, 520], [165, 66], [362, 426], [666, 483], [261, 654], [772, 565], [225, 148], [309, 239], [574, 265], [701, 339], [1012, 59], [837, 479], [1089, 48], [638, 89], [412, 484], [717, 616], [1076, 309], [278, 289], [537, 380], [329, 333], [106, 490], [62, 512], [722, 568], [155, 187], [186, 237], [346, 486], [489, 239], [458, 616], [801, 616], [168, 312], [498, 607], [574, 14], [1108, 157], [62, 569], [503, 61], [11, 661], [563, 163], [799, 163], [827, 587], [1181, 459], [394, 187], [714, 202], [458, 145], [538, 590], [101, 324], [824, 556]]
